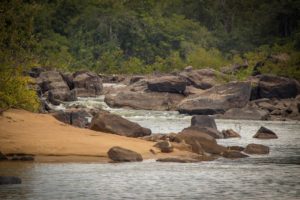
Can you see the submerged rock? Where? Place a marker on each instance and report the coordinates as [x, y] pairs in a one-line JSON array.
[[7, 180], [233, 154], [115, 124], [119, 154], [264, 133], [178, 160], [256, 149]]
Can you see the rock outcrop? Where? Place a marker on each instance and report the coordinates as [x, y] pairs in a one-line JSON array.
[[275, 87], [115, 124], [202, 78], [119, 154], [246, 113], [144, 100], [87, 84], [172, 84], [217, 99], [74, 117]]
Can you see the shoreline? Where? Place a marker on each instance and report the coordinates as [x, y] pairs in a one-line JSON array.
[[50, 140]]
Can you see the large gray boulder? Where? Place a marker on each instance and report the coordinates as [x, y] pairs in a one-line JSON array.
[[173, 84], [203, 121], [202, 78], [74, 117], [52, 84], [275, 87], [119, 154], [115, 124], [217, 99], [87, 84], [144, 100]]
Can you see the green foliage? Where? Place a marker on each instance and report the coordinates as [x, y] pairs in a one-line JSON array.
[[202, 58], [14, 91]]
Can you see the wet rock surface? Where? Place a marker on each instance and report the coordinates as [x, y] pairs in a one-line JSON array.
[[119, 154]]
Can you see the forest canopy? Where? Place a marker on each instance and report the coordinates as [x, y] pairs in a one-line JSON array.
[[144, 36]]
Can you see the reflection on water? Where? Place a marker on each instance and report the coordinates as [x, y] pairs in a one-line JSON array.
[[275, 176]]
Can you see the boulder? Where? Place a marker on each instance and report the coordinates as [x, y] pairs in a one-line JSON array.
[[54, 87], [234, 154], [277, 87], [7, 180], [2, 157], [164, 146], [209, 131], [87, 84], [200, 142], [56, 96], [144, 100], [119, 154], [74, 117], [171, 84], [202, 78], [229, 133], [203, 121], [264, 133], [192, 91], [256, 149], [115, 124], [217, 99], [50, 80], [246, 113]]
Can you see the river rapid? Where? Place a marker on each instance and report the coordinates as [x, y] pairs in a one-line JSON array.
[[274, 176]]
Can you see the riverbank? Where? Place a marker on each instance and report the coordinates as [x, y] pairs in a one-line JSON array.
[[53, 141]]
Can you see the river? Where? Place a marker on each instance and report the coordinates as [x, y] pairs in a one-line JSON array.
[[274, 176]]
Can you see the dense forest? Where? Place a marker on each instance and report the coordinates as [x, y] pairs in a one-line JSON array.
[[146, 36]]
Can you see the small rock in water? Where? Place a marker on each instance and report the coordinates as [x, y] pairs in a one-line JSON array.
[[120, 154], [256, 149], [5, 180], [264, 133], [230, 133]]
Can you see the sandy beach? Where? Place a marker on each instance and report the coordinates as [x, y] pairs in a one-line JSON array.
[[53, 141]]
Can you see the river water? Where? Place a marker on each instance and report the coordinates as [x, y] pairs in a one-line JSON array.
[[274, 176]]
